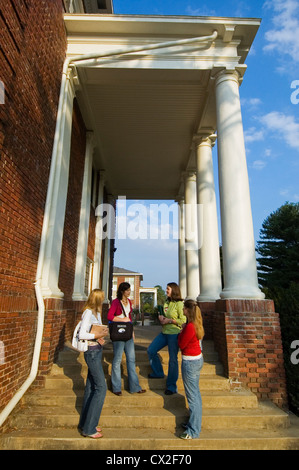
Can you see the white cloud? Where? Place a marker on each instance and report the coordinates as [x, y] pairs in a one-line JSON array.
[[253, 135], [259, 164], [283, 125], [251, 103], [284, 37], [204, 10]]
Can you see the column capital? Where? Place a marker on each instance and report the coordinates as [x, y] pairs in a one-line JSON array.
[[204, 138], [189, 174], [234, 74]]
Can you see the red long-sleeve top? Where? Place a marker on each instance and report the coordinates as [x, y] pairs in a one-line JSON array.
[[188, 342], [116, 310]]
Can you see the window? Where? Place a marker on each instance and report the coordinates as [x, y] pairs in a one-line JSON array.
[[94, 181], [131, 281], [114, 287], [101, 4], [88, 276]]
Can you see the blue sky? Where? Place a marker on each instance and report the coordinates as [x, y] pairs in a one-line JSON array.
[[270, 107]]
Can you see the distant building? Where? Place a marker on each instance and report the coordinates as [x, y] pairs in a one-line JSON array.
[[133, 278]]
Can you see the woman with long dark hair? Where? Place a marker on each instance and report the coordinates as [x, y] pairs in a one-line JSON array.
[[192, 362], [120, 311], [172, 319]]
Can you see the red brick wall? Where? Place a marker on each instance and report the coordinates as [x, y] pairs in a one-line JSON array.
[[32, 51], [249, 331]]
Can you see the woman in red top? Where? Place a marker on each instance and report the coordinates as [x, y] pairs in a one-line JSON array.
[[189, 341]]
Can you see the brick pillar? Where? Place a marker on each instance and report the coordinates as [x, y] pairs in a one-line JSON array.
[[61, 316], [247, 337], [207, 312]]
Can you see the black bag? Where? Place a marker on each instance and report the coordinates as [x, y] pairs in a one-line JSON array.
[[119, 330]]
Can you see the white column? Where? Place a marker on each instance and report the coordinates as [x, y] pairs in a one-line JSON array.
[[182, 252], [209, 257], [107, 257], [98, 237], [80, 269], [239, 261], [191, 235], [54, 235]]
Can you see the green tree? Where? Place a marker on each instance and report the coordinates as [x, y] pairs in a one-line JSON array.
[[279, 248], [161, 296], [279, 277]]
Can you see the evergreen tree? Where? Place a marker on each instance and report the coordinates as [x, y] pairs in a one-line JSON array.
[[279, 277], [279, 248]]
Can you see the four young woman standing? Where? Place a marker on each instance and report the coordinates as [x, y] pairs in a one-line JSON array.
[[181, 328]]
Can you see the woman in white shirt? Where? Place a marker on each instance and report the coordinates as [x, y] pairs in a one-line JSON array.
[[95, 388]]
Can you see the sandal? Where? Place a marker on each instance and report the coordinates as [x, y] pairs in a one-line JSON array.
[[97, 435]]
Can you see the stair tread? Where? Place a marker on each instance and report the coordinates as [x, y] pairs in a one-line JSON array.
[[232, 419], [263, 409], [137, 433]]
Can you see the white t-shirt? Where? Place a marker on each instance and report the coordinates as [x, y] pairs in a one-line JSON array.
[[127, 309], [89, 319]]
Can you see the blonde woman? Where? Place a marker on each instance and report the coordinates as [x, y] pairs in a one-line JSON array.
[[95, 388], [189, 341]]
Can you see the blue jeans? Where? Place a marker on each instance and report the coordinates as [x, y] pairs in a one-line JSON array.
[[158, 343], [95, 392], [118, 348], [190, 374]]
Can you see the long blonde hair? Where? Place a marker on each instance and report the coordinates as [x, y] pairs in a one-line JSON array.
[[194, 316], [95, 301]]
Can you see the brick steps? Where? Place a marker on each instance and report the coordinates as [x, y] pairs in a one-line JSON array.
[[152, 421]]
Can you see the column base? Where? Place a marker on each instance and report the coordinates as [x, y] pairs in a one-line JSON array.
[[77, 296], [52, 293], [208, 297], [251, 294]]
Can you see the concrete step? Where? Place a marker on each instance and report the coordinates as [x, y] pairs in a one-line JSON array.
[[147, 439], [232, 419], [70, 357], [211, 399], [207, 382], [142, 368], [265, 416]]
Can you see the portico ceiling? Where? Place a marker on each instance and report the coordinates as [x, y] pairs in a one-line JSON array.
[[145, 108]]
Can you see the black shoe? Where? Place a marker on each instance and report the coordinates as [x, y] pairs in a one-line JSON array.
[[169, 392], [151, 376]]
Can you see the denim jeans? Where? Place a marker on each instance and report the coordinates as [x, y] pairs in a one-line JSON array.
[[190, 374], [118, 348], [95, 392], [158, 343]]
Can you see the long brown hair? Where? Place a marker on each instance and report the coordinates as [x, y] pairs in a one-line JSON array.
[[194, 316], [175, 292], [95, 301]]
